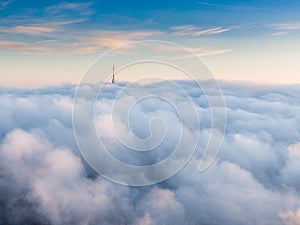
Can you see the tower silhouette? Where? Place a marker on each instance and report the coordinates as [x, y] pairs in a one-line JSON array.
[[113, 78]]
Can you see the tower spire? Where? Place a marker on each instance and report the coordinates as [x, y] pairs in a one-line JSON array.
[[113, 78]]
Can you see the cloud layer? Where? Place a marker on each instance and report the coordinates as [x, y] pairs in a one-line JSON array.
[[255, 179]]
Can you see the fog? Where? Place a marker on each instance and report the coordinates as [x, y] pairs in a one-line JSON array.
[[254, 179]]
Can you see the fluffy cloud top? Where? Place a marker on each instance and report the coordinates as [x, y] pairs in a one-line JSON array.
[[255, 179]]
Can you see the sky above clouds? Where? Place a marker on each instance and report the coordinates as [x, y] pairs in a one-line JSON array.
[[47, 46], [52, 42]]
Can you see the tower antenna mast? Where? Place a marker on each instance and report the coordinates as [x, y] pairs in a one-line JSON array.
[[113, 78]]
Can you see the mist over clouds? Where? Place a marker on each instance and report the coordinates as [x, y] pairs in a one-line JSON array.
[[254, 180]]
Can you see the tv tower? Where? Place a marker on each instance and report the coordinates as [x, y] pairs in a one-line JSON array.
[[113, 78]]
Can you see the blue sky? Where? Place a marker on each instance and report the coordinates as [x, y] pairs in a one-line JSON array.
[[52, 42]]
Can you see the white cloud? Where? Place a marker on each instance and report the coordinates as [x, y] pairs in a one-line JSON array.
[[290, 217], [195, 31], [75, 42], [278, 33], [43, 179], [83, 8], [286, 26], [4, 4]]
